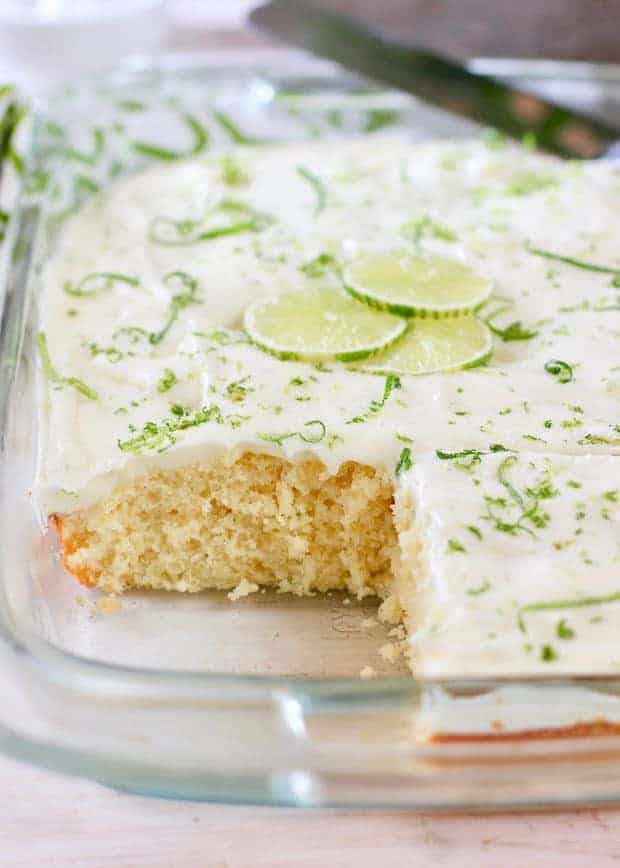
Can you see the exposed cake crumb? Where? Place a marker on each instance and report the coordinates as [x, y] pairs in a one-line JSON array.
[[368, 623], [108, 605], [390, 652], [243, 589], [390, 610], [288, 525], [367, 672]]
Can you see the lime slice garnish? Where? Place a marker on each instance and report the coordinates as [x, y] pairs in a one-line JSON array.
[[434, 345], [320, 324], [411, 285]]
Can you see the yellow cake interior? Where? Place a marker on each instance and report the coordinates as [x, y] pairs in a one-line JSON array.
[[257, 518]]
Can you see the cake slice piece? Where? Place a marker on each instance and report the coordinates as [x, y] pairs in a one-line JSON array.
[[517, 563]]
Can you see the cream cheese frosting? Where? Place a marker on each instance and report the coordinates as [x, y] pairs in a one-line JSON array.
[[144, 362], [520, 554]]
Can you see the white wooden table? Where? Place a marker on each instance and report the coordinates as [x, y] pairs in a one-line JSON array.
[[66, 823]]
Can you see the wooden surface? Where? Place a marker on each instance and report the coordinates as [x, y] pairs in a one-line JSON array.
[[61, 823]]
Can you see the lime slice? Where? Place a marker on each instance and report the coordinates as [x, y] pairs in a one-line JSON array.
[[434, 345], [411, 285], [320, 324]]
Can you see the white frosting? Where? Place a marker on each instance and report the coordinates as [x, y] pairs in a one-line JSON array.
[[490, 571], [495, 201]]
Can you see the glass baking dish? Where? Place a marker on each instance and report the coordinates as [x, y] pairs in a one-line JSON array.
[[259, 700]]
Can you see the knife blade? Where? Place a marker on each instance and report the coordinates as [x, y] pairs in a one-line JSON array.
[[437, 80]]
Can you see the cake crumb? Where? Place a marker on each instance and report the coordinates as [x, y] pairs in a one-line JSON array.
[[390, 611], [389, 652], [108, 605], [398, 633], [125, 542], [367, 672], [368, 623], [346, 602], [243, 589]]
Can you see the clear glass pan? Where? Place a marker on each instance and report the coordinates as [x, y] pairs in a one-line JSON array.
[[258, 701]]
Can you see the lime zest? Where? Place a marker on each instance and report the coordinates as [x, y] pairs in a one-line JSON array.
[[167, 380], [233, 172], [244, 218], [223, 337], [200, 142], [4, 222], [562, 371], [130, 105], [416, 230], [578, 603], [392, 383], [481, 589], [463, 453], [599, 440], [236, 135], [307, 438], [113, 354], [133, 333], [238, 390], [563, 631], [576, 263], [161, 435], [98, 281], [10, 120], [320, 190], [87, 158], [319, 265], [405, 462], [514, 331], [528, 503], [54, 376], [178, 302], [379, 118], [528, 182]]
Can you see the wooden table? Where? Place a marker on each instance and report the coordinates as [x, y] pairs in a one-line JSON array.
[[61, 823]]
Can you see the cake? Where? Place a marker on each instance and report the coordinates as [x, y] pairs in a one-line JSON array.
[[463, 466]]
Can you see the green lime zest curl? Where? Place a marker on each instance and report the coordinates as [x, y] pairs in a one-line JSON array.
[[54, 376]]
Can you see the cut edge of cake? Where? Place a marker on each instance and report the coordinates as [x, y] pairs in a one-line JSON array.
[[290, 525]]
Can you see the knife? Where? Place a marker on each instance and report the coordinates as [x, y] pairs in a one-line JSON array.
[[437, 80]]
